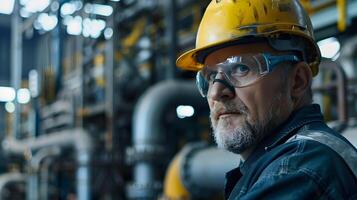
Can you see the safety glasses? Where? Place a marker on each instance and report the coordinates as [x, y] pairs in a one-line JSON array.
[[240, 71]]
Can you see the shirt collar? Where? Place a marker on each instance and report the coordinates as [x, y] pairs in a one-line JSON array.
[[297, 119]]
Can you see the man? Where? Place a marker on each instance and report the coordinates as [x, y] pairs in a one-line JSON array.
[[255, 61]]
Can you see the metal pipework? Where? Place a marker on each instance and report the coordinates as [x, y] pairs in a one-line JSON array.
[[77, 138], [347, 57], [171, 23], [201, 172], [203, 168], [149, 141], [342, 15], [340, 85], [44, 174], [16, 64], [35, 163], [8, 178], [173, 186]]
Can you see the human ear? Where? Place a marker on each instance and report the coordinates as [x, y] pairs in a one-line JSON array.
[[301, 77]]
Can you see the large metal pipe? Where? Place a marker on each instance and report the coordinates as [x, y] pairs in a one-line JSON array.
[[149, 141], [171, 31], [198, 171], [13, 177], [203, 169], [77, 138], [35, 163], [44, 174], [16, 64]]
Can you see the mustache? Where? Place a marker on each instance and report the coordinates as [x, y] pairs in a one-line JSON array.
[[229, 107]]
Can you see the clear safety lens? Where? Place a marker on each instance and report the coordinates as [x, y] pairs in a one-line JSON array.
[[240, 71]]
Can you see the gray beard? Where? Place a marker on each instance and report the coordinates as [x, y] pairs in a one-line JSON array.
[[239, 139]]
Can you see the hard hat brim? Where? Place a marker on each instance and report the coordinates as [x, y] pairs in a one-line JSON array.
[[193, 59], [189, 60]]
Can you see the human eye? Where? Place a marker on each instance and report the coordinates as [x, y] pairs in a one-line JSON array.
[[240, 70]]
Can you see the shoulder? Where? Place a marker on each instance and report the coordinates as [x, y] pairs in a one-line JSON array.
[[315, 162]]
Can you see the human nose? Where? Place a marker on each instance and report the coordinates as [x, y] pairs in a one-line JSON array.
[[220, 89]]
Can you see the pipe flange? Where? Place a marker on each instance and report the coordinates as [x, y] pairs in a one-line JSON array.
[[143, 191], [187, 154], [146, 153]]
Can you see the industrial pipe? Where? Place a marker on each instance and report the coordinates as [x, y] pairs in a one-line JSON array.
[[16, 64], [203, 168], [44, 174], [173, 185], [35, 163], [342, 15], [77, 138], [149, 141], [201, 172], [171, 32], [8, 178], [340, 84], [347, 57]]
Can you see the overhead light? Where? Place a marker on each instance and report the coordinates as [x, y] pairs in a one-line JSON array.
[[67, 19], [9, 107], [74, 26], [108, 33], [98, 9], [54, 6], [23, 96], [7, 94], [47, 22], [24, 13], [78, 4], [183, 111], [33, 83], [93, 27], [68, 9], [36, 5], [329, 47], [7, 6], [37, 25], [24, 2], [144, 43]]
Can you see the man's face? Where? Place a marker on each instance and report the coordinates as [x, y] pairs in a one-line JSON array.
[[240, 119]]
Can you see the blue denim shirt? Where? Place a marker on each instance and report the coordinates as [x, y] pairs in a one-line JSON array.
[[300, 169]]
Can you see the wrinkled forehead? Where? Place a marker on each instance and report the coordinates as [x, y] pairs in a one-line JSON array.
[[222, 54]]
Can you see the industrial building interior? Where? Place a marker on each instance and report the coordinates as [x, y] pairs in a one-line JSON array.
[[92, 105]]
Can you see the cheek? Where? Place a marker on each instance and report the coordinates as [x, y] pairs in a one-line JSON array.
[[248, 97], [272, 97], [259, 99]]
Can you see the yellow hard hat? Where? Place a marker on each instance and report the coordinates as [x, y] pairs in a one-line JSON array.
[[283, 23]]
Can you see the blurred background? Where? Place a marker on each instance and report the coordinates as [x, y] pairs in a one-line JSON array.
[[93, 107]]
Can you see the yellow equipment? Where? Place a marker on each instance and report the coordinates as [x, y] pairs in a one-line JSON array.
[[230, 22], [173, 187]]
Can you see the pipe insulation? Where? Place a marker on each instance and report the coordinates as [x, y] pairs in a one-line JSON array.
[[149, 133], [203, 168], [77, 138]]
